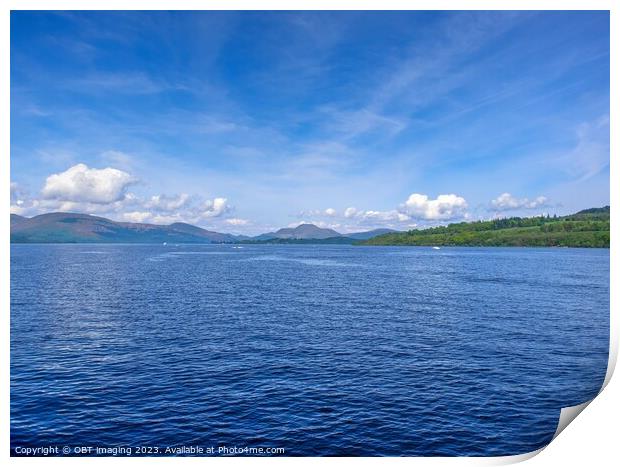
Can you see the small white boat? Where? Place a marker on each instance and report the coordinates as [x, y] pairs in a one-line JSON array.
[[436, 248], [165, 243]]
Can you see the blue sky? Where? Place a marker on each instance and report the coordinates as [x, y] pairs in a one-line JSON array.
[[249, 121]]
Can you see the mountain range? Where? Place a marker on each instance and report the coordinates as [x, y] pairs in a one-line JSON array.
[[62, 227]]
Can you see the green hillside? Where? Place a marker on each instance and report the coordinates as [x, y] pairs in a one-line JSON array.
[[587, 228]]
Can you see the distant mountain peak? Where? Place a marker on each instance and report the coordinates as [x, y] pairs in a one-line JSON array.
[[69, 227], [66, 227], [305, 231]]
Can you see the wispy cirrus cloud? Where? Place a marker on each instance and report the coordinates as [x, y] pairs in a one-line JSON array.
[[354, 109], [134, 83], [591, 152]]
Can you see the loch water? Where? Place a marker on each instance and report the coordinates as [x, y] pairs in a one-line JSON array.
[[316, 349]]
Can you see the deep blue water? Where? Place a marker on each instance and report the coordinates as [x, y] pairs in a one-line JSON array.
[[320, 350]]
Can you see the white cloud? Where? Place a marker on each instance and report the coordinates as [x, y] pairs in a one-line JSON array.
[[83, 184], [237, 222], [355, 220], [310, 213], [103, 192], [15, 209], [137, 216], [22, 203], [392, 215], [417, 207], [14, 191], [507, 202], [17, 197], [168, 203], [19, 205], [444, 207], [39, 206], [321, 224], [214, 208], [166, 209], [169, 219], [350, 212], [20, 200]]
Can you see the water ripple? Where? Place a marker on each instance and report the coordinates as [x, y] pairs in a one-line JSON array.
[[331, 350]]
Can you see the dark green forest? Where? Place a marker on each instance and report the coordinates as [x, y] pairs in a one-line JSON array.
[[588, 228]]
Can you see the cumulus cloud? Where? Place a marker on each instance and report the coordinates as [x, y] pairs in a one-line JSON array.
[[352, 219], [166, 209], [507, 202], [417, 207], [350, 212], [167, 203], [171, 218], [357, 215], [214, 208], [83, 184], [137, 216], [386, 216], [38, 206], [23, 204], [444, 207], [104, 192], [321, 224]]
